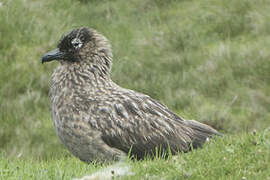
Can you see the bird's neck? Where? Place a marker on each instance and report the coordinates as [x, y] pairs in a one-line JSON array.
[[81, 76]]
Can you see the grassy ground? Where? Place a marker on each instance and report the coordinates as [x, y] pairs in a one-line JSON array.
[[245, 156], [207, 60]]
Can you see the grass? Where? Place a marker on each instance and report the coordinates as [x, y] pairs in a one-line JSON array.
[[206, 60], [242, 156]]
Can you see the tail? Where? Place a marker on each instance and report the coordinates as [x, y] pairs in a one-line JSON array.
[[202, 132]]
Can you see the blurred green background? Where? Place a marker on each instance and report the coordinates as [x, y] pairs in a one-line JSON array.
[[206, 60]]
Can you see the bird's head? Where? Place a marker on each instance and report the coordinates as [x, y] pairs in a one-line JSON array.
[[82, 45]]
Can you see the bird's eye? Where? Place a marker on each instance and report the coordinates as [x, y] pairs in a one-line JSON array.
[[76, 43]]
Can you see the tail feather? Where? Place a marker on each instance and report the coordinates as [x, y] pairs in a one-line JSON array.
[[201, 132]]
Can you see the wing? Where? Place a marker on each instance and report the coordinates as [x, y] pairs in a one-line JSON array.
[[138, 122]]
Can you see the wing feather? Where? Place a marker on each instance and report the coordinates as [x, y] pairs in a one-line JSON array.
[[141, 123]]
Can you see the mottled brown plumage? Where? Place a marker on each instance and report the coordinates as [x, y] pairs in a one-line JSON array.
[[99, 121]]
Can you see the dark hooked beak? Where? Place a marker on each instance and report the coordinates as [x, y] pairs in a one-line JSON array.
[[53, 55]]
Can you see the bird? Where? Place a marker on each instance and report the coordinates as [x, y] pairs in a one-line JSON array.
[[99, 121]]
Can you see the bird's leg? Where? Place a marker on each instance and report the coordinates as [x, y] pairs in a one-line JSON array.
[[107, 153], [90, 147]]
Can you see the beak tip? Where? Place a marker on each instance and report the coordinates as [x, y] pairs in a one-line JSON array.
[[43, 60]]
